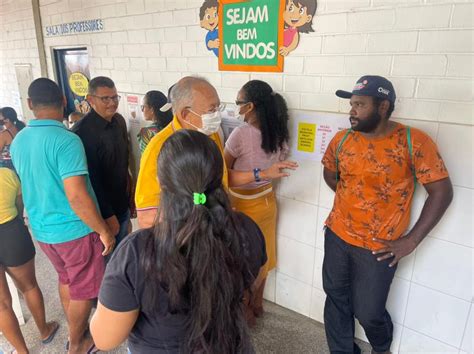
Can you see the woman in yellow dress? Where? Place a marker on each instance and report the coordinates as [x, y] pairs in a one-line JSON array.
[[256, 146]]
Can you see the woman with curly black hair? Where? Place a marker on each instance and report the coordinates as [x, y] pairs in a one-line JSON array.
[[257, 146]]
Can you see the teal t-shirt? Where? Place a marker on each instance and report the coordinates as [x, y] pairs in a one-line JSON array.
[[44, 154]]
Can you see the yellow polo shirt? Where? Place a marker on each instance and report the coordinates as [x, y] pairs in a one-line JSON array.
[[147, 194]]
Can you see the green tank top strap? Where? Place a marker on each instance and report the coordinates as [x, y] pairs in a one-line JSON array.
[[412, 160], [339, 147]]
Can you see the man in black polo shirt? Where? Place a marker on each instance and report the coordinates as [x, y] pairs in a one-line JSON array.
[[104, 134]]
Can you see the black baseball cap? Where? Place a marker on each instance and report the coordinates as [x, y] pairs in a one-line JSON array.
[[370, 85]]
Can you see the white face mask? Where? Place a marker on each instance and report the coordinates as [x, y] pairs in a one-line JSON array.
[[237, 115], [210, 122]]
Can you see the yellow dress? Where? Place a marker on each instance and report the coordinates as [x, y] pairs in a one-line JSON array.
[[260, 205]]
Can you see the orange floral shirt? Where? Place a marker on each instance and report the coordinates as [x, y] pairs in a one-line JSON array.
[[376, 184]]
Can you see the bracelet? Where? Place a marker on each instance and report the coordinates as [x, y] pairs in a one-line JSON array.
[[256, 174]]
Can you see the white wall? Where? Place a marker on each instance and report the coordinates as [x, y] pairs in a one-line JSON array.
[[17, 46], [423, 46]]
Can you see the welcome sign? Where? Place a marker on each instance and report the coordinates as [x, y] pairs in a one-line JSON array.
[[251, 33]]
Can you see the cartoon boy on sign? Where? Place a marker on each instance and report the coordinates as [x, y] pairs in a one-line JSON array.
[[209, 21], [298, 17]]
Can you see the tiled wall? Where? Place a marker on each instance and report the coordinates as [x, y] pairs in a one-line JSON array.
[[17, 46], [431, 296], [423, 46]]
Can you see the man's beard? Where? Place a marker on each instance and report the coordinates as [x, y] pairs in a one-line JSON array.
[[367, 125]]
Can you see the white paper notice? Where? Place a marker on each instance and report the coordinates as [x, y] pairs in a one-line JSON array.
[[312, 132]]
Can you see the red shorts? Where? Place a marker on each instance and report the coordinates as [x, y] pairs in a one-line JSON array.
[[79, 264]]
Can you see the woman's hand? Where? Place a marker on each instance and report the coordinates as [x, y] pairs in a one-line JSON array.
[[275, 170]]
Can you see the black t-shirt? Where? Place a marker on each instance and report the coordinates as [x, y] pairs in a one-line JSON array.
[[106, 147], [124, 284]]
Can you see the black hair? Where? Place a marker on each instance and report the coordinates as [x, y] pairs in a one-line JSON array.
[[206, 5], [10, 114], [44, 92], [272, 114], [378, 101], [194, 253], [99, 81], [311, 6], [156, 100]]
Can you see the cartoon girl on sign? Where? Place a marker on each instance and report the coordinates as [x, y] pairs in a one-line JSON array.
[[298, 17], [209, 21]]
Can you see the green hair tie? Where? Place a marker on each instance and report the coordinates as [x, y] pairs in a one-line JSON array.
[[199, 198]]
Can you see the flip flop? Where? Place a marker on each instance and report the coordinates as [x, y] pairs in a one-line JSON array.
[[92, 349], [51, 336], [87, 332]]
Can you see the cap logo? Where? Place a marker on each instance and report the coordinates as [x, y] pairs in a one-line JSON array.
[[359, 86], [384, 91]]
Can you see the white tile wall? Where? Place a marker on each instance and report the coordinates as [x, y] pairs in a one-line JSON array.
[[415, 342], [318, 269], [397, 336], [293, 294], [318, 297], [270, 287], [468, 340], [444, 266], [301, 270], [455, 144], [436, 315], [398, 299], [456, 225], [423, 46], [405, 266], [308, 174], [297, 220]]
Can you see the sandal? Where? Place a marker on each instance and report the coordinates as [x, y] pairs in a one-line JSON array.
[[92, 349], [51, 336]]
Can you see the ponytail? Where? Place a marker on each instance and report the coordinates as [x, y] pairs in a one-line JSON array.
[[194, 252], [10, 114], [282, 119], [19, 125], [272, 114]]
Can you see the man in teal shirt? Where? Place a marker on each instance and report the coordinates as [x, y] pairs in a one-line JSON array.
[[62, 207]]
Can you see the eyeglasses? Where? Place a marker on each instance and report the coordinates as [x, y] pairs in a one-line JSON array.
[[219, 108], [107, 99], [239, 103]]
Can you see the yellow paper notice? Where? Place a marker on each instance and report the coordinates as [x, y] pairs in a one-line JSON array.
[[306, 137]]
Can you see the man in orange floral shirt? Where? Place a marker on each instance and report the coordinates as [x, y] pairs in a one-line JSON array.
[[373, 168]]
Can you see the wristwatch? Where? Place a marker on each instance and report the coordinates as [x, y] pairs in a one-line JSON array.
[[256, 174]]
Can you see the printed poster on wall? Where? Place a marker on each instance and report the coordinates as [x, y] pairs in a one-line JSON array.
[[130, 108], [312, 133], [251, 34], [77, 76], [134, 109]]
